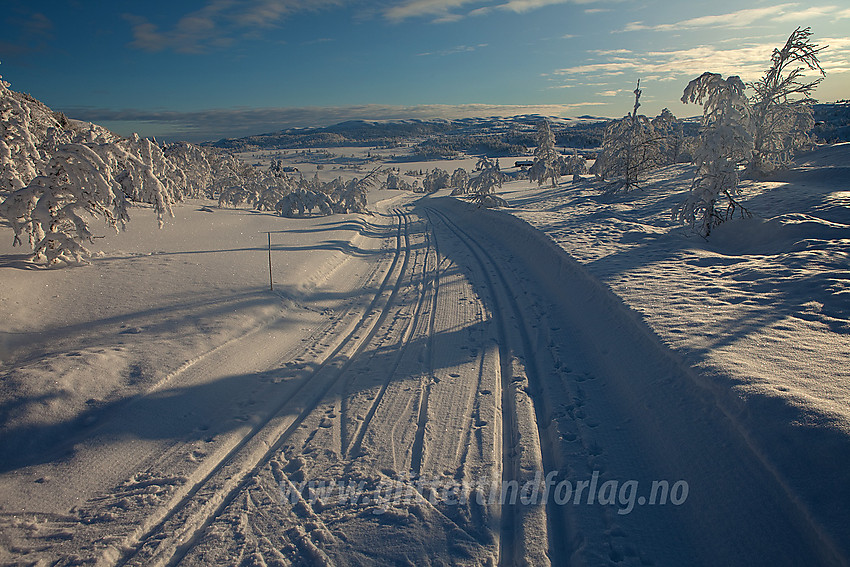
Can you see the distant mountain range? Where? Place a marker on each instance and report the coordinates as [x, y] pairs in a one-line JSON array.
[[493, 136], [436, 138]]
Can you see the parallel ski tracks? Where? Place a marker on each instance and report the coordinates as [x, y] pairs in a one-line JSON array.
[[167, 537], [426, 287], [514, 346]]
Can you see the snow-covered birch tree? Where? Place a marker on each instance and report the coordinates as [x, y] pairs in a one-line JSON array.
[[50, 212], [58, 174], [781, 107], [630, 149], [724, 144], [482, 187]]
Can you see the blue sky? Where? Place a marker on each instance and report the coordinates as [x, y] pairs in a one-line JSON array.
[[207, 69]]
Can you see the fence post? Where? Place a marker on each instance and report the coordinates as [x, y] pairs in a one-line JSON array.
[[271, 284]]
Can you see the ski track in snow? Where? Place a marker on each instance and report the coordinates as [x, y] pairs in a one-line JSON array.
[[477, 352]]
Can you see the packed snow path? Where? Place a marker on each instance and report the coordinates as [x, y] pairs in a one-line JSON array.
[[461, 357]]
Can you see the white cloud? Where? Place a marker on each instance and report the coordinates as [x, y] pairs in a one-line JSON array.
[[522, 6], [748, 62], [836, 57], [812, 12], [610, 51]]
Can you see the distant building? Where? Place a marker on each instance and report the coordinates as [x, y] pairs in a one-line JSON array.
[[523, 164]]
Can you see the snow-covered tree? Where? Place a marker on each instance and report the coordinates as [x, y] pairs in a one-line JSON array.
[[671, 137], [482, 187], [546, 166], [436, 179], [781, 108], [573, 164], [396, 182], [51, 210], [267, 195], [143, 172], [56, 174], [630, 149], [460, 181], [302, 201], [195, 166], [24, 126], [724, 144]]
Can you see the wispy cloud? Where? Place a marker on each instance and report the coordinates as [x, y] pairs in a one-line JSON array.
[[748, 61], [522, 6], [610, 51], [228, 123], [422, 8], [787, 12], [452, 10], [612, 92], [218, 24], [454, 50]]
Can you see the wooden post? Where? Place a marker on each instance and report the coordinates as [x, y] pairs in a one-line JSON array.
[[271, 284]]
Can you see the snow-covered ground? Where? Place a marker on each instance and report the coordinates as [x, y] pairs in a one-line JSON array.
[[686, 400]]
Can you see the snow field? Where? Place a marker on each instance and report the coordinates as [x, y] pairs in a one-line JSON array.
[[414, 359]]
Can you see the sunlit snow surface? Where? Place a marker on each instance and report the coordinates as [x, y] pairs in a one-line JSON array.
[[140, 394]]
